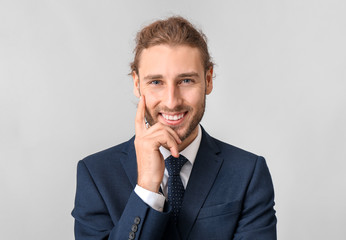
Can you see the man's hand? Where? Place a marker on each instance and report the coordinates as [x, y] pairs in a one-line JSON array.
[[150, 162]]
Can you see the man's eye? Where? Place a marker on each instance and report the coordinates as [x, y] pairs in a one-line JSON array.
[[186, 80], [155, 82]]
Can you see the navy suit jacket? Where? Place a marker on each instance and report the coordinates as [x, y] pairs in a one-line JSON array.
[[229, 196]]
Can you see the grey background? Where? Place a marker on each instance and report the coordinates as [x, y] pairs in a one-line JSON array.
[[279, 91]]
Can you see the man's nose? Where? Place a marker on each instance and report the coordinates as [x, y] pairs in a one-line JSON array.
[[173, 96]]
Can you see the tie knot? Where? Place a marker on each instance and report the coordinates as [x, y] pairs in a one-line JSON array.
[[174, 165]]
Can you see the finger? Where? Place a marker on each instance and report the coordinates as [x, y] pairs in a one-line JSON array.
[[158, 127], [174, 151], [174, 134], [139, 120], [166, 140], [173, 147]]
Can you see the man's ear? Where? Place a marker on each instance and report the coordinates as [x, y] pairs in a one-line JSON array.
[[209, 81], [136, 90]]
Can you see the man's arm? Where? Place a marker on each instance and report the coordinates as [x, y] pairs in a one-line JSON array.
[[258, 220], [93, 220]]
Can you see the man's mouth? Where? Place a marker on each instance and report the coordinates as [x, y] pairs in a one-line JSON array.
[[173, 119]]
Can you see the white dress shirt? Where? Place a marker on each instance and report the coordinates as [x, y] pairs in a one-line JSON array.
[[156, 200]]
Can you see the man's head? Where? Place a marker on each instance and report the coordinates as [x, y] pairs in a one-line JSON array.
[[173, 31], [172, 68]]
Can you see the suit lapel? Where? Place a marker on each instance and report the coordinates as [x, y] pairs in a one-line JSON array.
[[129, 161], [204, 172]]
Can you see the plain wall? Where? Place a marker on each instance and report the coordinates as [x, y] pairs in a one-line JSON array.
[[279, 92]]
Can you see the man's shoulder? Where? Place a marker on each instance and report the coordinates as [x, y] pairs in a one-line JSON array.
[[229, 148], [235, 155], [225, 148], [113, 153], [243, 161]]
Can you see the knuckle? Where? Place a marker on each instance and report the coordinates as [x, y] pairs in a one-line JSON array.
[[159, 125]]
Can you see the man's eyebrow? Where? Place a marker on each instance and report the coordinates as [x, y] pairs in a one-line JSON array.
[[188, 74], [181, 75], [152, 77]]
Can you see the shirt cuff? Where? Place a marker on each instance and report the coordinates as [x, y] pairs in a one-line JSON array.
[[154, 200]]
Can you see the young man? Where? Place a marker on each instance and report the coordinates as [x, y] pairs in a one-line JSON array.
[[172, 180]]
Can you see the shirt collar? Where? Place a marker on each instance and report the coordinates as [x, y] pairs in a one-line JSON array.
[[190, 152]]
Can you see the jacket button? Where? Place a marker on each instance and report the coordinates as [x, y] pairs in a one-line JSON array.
[[132, 235], [137, 220], [134, 228]]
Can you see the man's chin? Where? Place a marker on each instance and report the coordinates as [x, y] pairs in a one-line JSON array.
[[185, 133], [183, 129], [180, 130]]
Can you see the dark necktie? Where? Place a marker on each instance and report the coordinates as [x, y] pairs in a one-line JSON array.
[[175, 186]]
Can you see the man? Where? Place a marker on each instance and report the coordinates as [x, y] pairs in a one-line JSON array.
[[172, 180]]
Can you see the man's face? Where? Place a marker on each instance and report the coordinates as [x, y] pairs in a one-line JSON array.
[[174, 84]]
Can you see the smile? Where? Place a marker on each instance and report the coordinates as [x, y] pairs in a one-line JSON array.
[[173, 117]]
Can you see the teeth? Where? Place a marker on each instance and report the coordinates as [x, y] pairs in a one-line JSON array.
[[173, 117]]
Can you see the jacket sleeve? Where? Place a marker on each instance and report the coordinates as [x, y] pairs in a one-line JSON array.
[[257, 220], [94, 222]]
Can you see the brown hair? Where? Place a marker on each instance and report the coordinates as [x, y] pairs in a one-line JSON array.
[[172, 31]]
